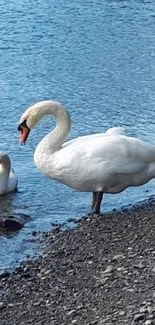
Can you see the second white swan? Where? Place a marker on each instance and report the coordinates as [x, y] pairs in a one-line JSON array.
[[99, 163], [8, 179]]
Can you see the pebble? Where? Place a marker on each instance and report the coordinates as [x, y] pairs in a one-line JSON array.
[[71, 312], [10, 305], [122, 313], [36, 303], [139, 266], [108, 269], [151, 316], [118, 257], [74, 321], [70, 220], [143, 310], [47, 272], [130, 290], [2, 305], [138, 317], [149, 322], [5, 274], [149, 309]]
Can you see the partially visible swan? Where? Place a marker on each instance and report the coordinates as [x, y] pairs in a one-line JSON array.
[[99, 163], [8, 180]]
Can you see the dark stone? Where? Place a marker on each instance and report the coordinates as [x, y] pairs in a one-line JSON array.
[[10, 224], [56, 230], [5, 274], [13, 223], [138, 317], [34, 233], [71, 220]]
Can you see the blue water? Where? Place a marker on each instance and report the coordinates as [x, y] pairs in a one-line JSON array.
[[98, 59]]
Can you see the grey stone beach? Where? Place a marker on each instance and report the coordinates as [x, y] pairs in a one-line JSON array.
[[100, 272]]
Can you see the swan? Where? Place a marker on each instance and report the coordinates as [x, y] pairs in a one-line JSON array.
[[99, 163], [8, 179]]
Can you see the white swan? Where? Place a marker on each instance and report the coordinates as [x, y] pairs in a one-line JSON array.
[[99, 163], [8, 180]]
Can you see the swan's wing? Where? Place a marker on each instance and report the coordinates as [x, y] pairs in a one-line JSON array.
[[82, 138], [112, 131], [115, 131], [120, 154], [126, 154]]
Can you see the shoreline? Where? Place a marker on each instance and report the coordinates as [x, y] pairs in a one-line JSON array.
[[100, 272]]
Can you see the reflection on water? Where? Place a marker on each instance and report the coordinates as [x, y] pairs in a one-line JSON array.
[[97, 58], [12, 244], [6, 204]]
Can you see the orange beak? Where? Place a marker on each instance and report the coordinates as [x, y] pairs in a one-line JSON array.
[[24, 134]]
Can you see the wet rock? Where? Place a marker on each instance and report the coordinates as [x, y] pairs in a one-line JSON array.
[[5, 274], [71, 220], [13, 223], [10, 223], [34, 233]]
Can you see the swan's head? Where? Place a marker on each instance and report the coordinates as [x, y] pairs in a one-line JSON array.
[[33, 115], [28, 120], [4, 158]]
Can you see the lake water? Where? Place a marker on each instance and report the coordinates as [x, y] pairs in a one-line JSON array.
[[98, 59]]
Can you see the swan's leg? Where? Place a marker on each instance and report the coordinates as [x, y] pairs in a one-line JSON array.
[[93, 200], [96, 202]]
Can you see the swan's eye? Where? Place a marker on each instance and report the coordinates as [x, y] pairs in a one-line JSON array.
[[23, 124]]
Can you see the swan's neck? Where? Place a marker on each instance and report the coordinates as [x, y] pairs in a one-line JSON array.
[[54, 140], [4, 175]]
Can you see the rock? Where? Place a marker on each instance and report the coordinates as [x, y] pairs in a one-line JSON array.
[[151, 316], [56, 230], [122, 313], [118, 257], [11, 305], [144, 302], [70, 220], [2, 305], [13, 222], [109, 269], [34, 233], [138, 317], [139, 266], [5, 274], [143, 310], [148, 322], [130, 290], [149, 308], [75, 321], [10, 223], [71, 312], [47, 272]]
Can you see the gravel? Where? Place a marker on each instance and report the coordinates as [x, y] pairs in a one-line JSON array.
[[100, 272]]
